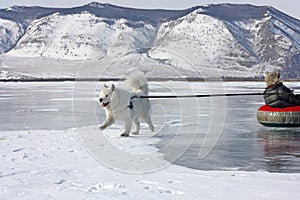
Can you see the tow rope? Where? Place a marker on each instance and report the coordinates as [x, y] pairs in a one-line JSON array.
[[201, 95]]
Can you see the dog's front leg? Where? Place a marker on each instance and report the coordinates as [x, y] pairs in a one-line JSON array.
[[108, 121], [128, 124]]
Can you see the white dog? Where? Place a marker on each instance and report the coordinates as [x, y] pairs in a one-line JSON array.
[[120, 104]]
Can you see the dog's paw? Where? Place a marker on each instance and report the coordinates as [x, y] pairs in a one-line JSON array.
[[102, 127], [135, 133], [124, 135], [151, 127]]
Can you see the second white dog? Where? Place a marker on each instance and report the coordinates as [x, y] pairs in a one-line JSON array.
[[120, 104]]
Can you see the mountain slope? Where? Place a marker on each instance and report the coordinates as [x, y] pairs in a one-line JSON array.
[[10, 32], [201, 42], [81, 36]]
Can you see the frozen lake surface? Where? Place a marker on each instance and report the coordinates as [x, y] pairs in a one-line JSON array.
[[219, 133]]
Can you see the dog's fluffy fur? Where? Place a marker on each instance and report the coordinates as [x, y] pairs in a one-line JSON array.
[[120, 104]]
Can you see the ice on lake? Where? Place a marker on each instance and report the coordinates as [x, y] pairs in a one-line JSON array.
[[219, 133]]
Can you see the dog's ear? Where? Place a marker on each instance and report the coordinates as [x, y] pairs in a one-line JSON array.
[[105, 86], [112, 87]]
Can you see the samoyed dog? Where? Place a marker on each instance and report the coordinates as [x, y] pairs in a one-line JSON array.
[[120, 104]]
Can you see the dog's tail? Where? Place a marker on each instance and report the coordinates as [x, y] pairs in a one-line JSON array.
[[138, 81]]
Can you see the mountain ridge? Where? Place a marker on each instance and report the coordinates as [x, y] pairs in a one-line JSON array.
[[215, 40]]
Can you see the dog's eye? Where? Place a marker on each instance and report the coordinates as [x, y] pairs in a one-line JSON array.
[[106, 96]]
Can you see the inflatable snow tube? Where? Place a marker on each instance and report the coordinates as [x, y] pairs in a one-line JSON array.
[[279, 117]]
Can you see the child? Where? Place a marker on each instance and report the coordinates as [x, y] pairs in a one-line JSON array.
[[278, 95]]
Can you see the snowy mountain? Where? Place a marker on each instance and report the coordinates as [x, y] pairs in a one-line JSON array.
[[232, 39], [103, 40]]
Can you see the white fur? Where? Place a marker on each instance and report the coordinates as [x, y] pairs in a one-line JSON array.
[[116, 103]]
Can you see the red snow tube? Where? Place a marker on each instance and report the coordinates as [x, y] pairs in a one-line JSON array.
[[279, 117]]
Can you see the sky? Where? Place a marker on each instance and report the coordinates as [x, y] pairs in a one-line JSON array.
[[290, 7]]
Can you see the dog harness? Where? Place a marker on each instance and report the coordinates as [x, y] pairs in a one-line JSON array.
[[130, 106]]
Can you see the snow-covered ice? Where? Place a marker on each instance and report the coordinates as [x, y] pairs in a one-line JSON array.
[[55, 165]]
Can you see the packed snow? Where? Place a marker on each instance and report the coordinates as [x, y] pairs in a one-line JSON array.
[[56, 165]]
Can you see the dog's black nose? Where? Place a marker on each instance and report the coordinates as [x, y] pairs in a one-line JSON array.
[[101, 99]]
